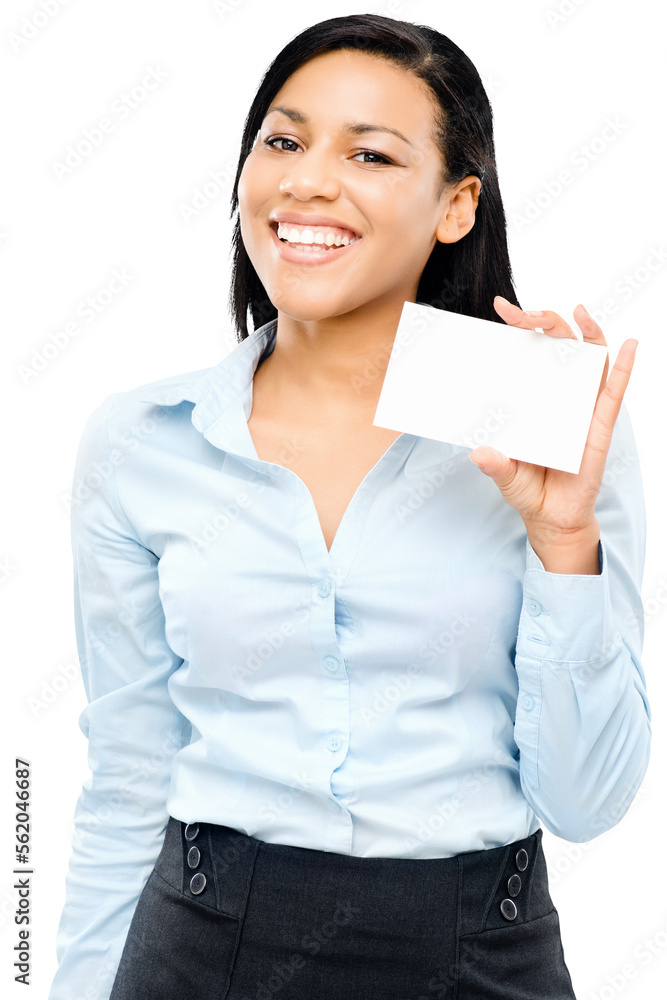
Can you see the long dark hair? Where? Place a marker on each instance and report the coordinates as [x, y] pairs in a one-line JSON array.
[[463, 276]]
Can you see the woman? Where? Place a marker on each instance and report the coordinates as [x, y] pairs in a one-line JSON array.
[[337, 677]]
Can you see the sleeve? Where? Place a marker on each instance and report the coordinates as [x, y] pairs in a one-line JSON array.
[[132, 726], [583, 721]]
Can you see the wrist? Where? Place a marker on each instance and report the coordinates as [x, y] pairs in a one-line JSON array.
[[568, 551]]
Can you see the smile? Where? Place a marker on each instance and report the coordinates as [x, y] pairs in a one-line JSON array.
[[308, 253]]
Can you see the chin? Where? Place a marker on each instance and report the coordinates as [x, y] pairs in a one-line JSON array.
[[294, 306]]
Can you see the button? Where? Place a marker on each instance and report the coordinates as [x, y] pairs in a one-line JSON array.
[[534, 608], [193, 857], [324, 588], [527, 702], [198, 884], [508, 909], [191, 831], [331, 663], [522, 859], [514, 885], [334, 743]]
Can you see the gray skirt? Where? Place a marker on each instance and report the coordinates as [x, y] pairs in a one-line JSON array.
[[224, 916]]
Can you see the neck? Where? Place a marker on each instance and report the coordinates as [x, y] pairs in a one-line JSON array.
[[339, 357]]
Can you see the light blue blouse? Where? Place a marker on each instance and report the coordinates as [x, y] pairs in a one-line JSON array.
[[423, 689]]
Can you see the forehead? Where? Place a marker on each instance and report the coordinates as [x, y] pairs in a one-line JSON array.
[[336, 87]]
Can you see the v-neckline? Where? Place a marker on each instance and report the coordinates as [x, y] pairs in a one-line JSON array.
[[353, 502]]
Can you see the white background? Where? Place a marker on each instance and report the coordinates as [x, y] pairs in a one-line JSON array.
[[554, 80]]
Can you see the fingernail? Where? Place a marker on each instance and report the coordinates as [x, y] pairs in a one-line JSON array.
[[507, 303], [584, 308]]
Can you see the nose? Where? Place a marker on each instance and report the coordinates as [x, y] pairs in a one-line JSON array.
[[311, 174]]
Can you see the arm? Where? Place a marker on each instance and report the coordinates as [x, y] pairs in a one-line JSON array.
[[133, 728], [583, 719]]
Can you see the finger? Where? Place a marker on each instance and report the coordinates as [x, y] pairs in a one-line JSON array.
[[592, 334], [546, 320], [589, 328], [606, 411]]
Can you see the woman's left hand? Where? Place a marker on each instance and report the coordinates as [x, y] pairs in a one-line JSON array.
[[556, 505]]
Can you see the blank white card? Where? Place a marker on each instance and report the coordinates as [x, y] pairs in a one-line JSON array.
[[472, 382]]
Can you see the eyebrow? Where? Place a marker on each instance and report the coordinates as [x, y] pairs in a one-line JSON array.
[[353, 128]]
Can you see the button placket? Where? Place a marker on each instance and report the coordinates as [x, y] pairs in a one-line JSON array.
[[508, 907], [198, 880]]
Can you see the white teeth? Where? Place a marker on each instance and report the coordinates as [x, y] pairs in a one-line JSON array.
[[310, 237]]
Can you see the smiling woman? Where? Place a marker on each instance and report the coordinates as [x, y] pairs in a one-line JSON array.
[[360, 675]]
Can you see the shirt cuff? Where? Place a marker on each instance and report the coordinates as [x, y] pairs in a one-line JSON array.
[[565, 616]]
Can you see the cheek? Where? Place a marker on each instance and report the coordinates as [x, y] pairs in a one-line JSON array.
[[254, 186]]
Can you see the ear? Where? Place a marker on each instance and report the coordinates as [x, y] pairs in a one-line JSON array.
[[458, 213]]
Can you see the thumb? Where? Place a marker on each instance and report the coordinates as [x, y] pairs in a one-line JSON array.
[[492, 463]]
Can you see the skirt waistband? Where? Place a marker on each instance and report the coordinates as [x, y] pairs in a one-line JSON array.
[[490, 888]]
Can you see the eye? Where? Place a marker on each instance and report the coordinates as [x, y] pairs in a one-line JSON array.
[[275, 139], [279, 138], [369, 152]]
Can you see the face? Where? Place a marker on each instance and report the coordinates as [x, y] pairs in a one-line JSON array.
[[314, 167]]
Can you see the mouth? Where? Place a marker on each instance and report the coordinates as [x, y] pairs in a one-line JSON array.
[[309, 253]]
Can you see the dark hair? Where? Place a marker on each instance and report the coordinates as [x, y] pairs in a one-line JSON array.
[[463, 276]]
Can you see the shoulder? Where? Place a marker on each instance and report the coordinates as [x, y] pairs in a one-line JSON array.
[[129, 416]]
